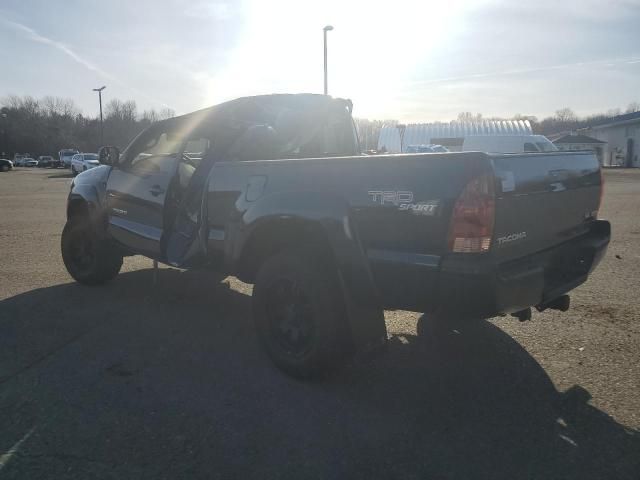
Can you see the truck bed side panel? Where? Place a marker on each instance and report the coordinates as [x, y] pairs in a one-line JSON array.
[[397, 206]]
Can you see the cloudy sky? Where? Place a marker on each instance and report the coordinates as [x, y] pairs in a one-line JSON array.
[[418, 60]]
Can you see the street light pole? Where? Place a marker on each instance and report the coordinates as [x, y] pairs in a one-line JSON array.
[[326, 29], [99, 90], [5, 143]]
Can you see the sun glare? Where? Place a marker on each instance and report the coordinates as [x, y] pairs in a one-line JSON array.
[[373, 48]]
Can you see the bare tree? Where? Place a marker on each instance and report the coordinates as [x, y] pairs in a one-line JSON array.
[[531, 118], [167, 113], [113, 109], [633, 107], [469, 117], [565, 115], [369, 131], [150, 116]]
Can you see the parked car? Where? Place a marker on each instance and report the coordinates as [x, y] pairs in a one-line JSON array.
[[5, 165], [83, 161], [45, 161], [430, 148], [30, 162], [243, 189], [18, 159], [66, 155]]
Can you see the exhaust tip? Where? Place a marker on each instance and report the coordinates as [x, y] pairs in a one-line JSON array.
[[562, 303], [523, 315]]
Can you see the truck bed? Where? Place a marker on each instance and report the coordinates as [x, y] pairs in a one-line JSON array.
[[398, 208]]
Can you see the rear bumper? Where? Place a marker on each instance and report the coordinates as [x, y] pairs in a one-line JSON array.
[[478, 287]]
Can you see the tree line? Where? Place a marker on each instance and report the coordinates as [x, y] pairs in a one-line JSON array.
[[563, 120], [47, 125]]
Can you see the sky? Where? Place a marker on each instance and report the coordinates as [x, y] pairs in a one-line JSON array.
[[413, 60]]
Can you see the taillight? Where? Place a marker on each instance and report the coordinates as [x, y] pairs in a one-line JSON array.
[[473, 217]]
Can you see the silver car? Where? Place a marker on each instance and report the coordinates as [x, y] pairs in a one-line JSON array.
[[83, 161]]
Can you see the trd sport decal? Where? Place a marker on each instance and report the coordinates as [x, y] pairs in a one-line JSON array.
[[404, 201]]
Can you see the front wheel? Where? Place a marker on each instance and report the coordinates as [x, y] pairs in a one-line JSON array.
[[299, 314], [89, 259]]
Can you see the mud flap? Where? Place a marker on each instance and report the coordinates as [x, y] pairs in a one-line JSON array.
[[366, 320]]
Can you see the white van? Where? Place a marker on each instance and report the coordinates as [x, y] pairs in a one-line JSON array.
[[507, 144]]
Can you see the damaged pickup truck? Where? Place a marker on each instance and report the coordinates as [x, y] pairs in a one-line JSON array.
[[273, 190]]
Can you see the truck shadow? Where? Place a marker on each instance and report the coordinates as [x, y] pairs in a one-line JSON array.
[[168, 381]]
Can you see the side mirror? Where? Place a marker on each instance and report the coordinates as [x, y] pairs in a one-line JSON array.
[[109, 155]]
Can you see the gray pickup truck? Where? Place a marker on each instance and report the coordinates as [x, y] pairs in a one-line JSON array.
[[273, 190]]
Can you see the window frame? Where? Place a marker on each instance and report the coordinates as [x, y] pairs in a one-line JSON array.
[[139, 144]]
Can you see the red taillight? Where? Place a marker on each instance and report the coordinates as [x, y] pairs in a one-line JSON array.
[[473, 217]]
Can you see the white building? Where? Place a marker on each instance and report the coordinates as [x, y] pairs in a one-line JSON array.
[[622, 134]]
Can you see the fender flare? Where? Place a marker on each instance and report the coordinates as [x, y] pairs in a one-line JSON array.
[[332, 215], [92, 196]]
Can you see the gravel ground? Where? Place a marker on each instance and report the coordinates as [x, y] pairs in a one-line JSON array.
[[138, 381]]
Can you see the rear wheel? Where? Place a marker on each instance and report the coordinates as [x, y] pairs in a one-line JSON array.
[[90, 259], [299, 314]]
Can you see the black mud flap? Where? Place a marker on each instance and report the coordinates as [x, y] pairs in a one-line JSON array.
[[366, 320]]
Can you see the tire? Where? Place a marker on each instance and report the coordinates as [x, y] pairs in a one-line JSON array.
[[299, 314], [89, 259], [73, 171]]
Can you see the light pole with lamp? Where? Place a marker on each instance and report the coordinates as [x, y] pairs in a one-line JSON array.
[[326, 29], [99, 90]]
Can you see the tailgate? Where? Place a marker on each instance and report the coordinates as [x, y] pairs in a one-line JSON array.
[[543, 200]]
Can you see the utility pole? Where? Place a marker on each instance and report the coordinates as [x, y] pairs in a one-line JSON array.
[[99, 90], [5, 143], [326, 29]]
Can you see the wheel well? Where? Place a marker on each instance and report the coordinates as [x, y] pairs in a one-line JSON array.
[[77, 209], [276, 236]]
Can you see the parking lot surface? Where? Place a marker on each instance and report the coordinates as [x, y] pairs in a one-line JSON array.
[[136, 380]]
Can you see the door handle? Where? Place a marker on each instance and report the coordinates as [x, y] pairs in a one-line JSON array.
[[156, 190]]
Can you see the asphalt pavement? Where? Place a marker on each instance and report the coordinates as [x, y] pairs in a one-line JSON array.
[[136, 380]]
